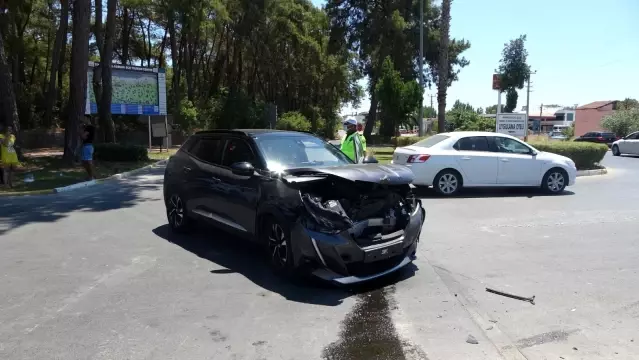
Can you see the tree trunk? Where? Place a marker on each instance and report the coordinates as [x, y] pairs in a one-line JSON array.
[[77, 75], [174, 61], [106, 121], [98, 32], [8, 108], [126, 24], [60, 39], [442, 84], [372, 111]]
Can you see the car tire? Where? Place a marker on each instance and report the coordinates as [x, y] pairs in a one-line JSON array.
[[555, 181], [615, 150], [176, 214], [447, 182], [277, 242]]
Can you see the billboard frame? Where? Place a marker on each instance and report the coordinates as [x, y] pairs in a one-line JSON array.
[[131, 109]]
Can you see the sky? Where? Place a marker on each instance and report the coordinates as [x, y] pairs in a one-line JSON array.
[[582, 50]]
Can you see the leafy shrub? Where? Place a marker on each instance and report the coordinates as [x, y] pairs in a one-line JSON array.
[[293, 121], [585, 155], [406, 140], [379, 140], [119, 152], [622, 122]]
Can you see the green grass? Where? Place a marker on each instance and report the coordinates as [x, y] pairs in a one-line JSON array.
[[157, 156], [383, 154], [50, 172]]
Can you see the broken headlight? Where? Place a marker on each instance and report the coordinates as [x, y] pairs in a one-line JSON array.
[[327, 216]]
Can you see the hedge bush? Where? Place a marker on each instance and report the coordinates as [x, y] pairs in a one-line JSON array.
[[406, 140], [585, 155], [119, 152]]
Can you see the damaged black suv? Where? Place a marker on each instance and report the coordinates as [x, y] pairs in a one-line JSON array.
[[311, 207]]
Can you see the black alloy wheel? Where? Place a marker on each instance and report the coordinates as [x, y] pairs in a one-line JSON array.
[[278, 247], [176, 214]]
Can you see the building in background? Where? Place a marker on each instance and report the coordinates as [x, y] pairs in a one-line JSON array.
[[589, 116], [546, 117]]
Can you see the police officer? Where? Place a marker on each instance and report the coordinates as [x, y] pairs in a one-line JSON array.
[[348, 145]]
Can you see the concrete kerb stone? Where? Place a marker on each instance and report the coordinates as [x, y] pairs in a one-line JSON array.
[[603, 171], [123, 175]]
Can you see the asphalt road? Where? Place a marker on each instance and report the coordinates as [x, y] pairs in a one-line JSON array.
[[96, 274]]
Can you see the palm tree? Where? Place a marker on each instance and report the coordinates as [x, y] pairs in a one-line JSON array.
[[442, 84]]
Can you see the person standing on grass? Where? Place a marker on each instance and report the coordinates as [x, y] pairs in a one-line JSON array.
[[86, 151], [348, 145], [8, 156]]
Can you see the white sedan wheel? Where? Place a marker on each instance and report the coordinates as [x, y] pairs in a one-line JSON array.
[[447, 183]]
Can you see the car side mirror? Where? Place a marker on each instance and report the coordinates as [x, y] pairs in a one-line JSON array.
[[533, 153], [243, 168], [370, 160]]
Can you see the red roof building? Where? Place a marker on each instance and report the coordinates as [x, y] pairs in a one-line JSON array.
[[589, 116]]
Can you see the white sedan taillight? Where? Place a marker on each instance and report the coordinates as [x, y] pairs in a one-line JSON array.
[[414, 159]]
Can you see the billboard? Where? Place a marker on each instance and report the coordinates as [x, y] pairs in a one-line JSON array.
[[512, 124], [136, 90]]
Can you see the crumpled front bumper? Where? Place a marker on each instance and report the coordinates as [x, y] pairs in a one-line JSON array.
[[343, 258]]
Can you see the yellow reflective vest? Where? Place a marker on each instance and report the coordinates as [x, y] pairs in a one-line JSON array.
[[348, 145]]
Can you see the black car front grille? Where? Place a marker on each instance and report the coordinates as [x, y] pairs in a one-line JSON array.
[[366, 269]]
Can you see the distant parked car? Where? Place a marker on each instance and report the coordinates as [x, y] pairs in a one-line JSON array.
[[598, 137], [627, 145], [449, 161], [557, 135]]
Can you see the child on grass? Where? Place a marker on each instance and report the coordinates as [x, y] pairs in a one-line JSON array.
[[8, 156], [86, 151]]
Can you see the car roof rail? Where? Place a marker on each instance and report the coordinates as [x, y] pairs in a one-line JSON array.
[[220, 131]]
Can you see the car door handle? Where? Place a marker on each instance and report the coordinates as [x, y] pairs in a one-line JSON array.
[[215, 180], [504, 160], [465, 158], [186, 169]]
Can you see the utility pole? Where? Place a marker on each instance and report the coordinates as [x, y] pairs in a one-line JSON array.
[[528, 103], [421, 66], [431, 100]]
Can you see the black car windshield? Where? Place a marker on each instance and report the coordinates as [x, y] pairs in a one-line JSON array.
[[296, 151]]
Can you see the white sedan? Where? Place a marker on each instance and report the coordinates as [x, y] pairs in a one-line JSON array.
[[449, 161], [627, 145]]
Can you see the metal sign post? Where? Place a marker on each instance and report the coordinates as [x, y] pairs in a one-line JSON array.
[[497, 86]]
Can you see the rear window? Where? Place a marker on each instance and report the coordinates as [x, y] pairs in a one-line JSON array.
[[433, 140]]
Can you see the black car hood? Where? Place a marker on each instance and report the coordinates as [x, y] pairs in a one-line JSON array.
[[372, 173]]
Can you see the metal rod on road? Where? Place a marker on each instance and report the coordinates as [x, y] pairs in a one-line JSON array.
[[517, 297]]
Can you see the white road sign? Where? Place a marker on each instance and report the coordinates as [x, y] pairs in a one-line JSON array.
[[512, 124]]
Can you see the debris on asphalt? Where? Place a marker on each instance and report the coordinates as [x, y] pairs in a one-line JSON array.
[[574, 348], [471, 340], [493, 321], [517, 297], [489, 328]]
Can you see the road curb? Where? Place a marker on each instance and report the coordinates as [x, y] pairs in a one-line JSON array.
[[84, 184], [581, 173], [127, 174]]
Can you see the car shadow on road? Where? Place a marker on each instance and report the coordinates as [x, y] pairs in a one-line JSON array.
[[112, 195], [240, 256], [467, 193]]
